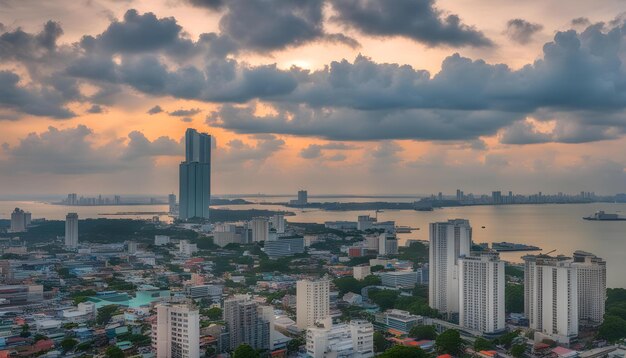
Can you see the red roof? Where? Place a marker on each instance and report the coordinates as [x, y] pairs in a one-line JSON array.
[[445, 356]]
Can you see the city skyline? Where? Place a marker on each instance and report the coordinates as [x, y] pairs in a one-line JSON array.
[[100, 103]]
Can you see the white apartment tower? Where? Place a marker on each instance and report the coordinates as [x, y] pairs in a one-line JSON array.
[[260, 229], [551, 296], [278, 223], [18, 220], [481, 293], [176, 333], [591, 288], [355, 340], [387, 244], [246, 323], [195, 176], [312, 302], [448, 241], [71, 230]]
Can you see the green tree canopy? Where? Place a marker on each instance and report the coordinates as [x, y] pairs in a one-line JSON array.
[[518, 350], [449, 342], [245, 351], [68, 343], [423, 332], [214, 313], [403, 352], [114, 352], [105, 313], [380, 343], [481, 344], [514, 298]]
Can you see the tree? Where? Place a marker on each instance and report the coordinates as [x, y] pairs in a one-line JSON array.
[[423, 332], [25, 331], [114, 352], [371, 280], [481, 344], [449, 342], [518, 350], [348, 284], [245, 351], [68, 343], [214, 313], [507, 339], [404, 352], [105, 313], [380, 342], [514, 298], [85, 346], [613, 328], [386, 299], [39, 337], [295, 344]]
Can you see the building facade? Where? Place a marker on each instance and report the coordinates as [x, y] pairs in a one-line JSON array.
[[448, 241], [355, 339], [195, 176], [591, 288], [176, 332], [260, 229], [312, 302], [71, 231], [245, 324]]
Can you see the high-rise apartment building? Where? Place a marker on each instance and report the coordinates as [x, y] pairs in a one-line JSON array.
[[387, 244], [245, 324], [591, 288], [176, 331], [551, 296], [481, 293], [448, 241], [303, 197], [313, 301], [278, 223], [171, 201], [260, 229], [19, 220], [195, 176], [355, 339], [71, 230]]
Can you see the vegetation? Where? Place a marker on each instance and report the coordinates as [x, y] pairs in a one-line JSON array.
[[518, 350], [67, 344], [105, 313], [507, 339], [245, 351], [449, 342], [514, 298], [404, 352], [415, 253], [351, 284], [417, 305], [423, 332], [380, 342], [614, 326], [114, 352], [513, 271], [213, 313], [481, 344], [295, 344]]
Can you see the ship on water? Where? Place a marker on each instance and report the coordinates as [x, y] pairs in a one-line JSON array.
[[602, 216]]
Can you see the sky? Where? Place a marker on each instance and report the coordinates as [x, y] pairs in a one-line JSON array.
[[335, 96]]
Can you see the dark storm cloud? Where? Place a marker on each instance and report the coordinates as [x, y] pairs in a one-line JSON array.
[[72, 151], [95, 109], [315, 151], [31, 100], [522, 31], [419, 20], [22, 46], [185, 112], [154, 110]]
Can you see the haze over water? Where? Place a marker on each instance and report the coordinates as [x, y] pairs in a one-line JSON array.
[[550, 226]]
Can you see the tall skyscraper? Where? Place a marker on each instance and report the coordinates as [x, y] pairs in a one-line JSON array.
[[551, 296], [387, 244], [71, 230], [18, 220], [245, 324], [176, 332], [171, 201], [303, 197], [260, 229], [448, 241], [312, 302], [591, 288], [481, 293], [278, 223], [195, 176]]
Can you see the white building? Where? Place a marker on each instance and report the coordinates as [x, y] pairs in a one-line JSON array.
[[312, 301], [278, 223], [591, 287], [71, 230], [199, 291], [186, 248], [245, 323], [85, 311], [132, 247], [18, 220], [284, 247], [176, 332], [551, 296], [195, 176], [481, 293], [365, 222], [260, 229], [387, 244], [399, 279], [448, 241], [160, 240], [355, 340], [361, 272]]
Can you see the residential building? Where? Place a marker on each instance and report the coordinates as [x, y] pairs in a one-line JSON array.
[[200, 291], [16, 295], [132, 247], [591, 287], [397, 321], [481, 293], [195, 176], [355, 340], [361, 272], [365, 222], [160, 240], [278, 223], [18, 220], [71, 231], [6, 272], [187, 249], [313, 301], [387, 244], [551, 296], [284, 247], [176, 331], [260, 229], [171, 201], [245, 324], [448, 241], [399, 279]]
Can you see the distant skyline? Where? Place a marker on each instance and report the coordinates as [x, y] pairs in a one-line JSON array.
[[335, 96]]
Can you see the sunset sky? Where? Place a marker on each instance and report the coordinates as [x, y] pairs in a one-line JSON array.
[[335, 96]]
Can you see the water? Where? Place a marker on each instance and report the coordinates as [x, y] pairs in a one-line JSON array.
[[551, 226]]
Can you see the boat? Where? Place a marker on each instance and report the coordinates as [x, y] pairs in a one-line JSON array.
[[602, 216], [509, 246]]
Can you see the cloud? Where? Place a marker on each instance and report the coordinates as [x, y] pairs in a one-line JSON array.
[[521, 31], [238, 154], [209, 4], [565, 129], [185, 112], [418, 20], [155, 110], [95, 109], [73, 151], [30, 99], [581, 21], [315, 151]]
